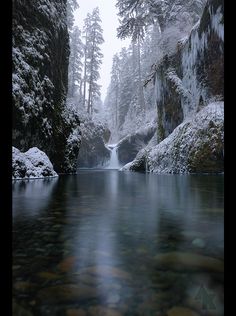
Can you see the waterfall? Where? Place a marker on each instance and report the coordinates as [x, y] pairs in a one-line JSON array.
[[114, 162]]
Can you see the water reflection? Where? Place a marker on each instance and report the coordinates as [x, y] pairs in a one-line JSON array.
[[122, 243], [32, 196]]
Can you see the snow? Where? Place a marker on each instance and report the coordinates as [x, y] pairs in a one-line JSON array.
[[193, 51], [216, 19], [179, 87], [32, 164], [174, 153]]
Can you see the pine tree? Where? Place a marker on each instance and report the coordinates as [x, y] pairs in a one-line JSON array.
[[93, 55], [115, 86], [72, 5], [75, 62], [137, 15]]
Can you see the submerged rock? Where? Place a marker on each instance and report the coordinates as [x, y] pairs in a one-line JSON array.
[[198, 242], [188, 262], [18, 310], [75, 312], [103, 311], [181, 311], [68, 264], [23, 286], [66, 293], [34, 163], [49, 276], [106, 272], [113, 298]]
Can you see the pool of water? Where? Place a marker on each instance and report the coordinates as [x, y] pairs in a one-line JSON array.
[[112, 243]]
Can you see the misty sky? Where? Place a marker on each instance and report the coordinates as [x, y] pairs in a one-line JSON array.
[[108, 13]]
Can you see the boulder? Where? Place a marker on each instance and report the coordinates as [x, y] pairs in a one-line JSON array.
[[34, 163], [129, 146]]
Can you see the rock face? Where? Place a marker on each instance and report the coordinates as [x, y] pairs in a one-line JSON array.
[[187, 80], [195, 146], [93, 151], [189, 98], [40, 69], [129, 146], [32, 164]]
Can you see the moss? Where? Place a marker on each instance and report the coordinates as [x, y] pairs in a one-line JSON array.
[[207, 158]]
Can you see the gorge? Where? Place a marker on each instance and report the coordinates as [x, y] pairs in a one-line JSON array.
[[118, 203]]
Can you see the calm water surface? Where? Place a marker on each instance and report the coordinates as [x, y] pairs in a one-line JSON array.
[[114, 243]]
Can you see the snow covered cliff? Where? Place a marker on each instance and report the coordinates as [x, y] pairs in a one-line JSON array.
[[40, 71], [189, 94], [195, 146], [189, 79]]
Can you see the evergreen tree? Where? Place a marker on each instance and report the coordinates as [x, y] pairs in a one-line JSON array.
[[86, 30], [137, 15], [75, 62], [93, 57], [72, 5]]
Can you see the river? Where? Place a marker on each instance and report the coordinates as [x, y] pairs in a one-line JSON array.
[[105, 242]]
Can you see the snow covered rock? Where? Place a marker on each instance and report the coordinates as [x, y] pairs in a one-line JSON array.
[[195, 146], [32, 164], [93, 151], [130, 145]]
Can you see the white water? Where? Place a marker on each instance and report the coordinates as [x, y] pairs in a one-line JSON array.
[[114, 162]]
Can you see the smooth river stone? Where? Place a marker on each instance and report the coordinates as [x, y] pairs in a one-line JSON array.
[[106, 272], [198, 242], [181, 311], [50, 276], [68, 264], [113, 298], [184, 261], [103, 311], [87, 279], [75, 312], [23, 286], [66, 293], [18, 310]]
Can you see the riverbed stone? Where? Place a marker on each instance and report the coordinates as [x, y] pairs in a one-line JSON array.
[[113, 298], [66, 293], [103, 311], [106, 272], [198, 242], [68, 264], [23, 286], [181, 311], [76, 312], [87, 279], [18, 310], [49, 276], [184, 261]]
